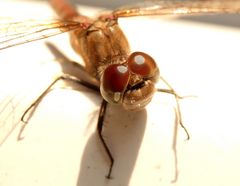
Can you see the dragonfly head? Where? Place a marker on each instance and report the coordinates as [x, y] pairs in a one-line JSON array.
[[131, 84]]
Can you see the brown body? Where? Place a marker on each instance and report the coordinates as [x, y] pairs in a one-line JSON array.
[[102, 43]]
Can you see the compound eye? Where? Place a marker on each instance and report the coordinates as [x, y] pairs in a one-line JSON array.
[[142, 64], [115, 78]]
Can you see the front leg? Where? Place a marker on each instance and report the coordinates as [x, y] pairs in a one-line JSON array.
[[177, 97], [100, 127]]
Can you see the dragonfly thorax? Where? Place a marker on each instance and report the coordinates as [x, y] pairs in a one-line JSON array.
[[100, 44]]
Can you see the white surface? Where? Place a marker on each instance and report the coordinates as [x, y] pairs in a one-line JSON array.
[[61, 147]]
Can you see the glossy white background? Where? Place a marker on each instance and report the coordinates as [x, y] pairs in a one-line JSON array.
[[60, 146]]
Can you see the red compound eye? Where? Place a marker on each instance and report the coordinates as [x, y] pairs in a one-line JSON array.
[[115, 78], [142, 64]]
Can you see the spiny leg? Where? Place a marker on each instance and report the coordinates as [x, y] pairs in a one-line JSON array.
[[62, 77], [100, 127], [177, 97]]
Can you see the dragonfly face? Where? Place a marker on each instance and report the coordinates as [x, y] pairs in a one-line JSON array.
[[130, 84]]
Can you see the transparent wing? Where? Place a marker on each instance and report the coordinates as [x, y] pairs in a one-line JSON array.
[[168, 7], [16, 33]]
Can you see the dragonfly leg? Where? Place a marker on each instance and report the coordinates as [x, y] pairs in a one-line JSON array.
[[178, 110], [65, 77], [100, 127]]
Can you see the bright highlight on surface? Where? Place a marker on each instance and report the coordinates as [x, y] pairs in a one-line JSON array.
[[139, 59], [122, 69]]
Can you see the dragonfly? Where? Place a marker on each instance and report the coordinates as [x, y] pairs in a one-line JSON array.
[[123, 77]]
